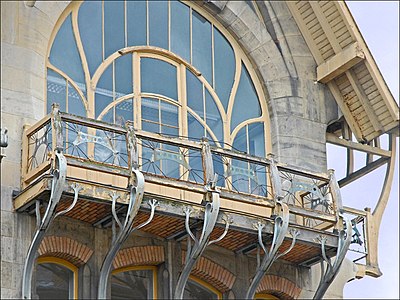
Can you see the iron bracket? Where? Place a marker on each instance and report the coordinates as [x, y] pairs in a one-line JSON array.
[[329, 274]]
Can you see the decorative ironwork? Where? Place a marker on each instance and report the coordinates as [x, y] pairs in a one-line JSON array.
[[328, 275], [57, 188], [280, 230]]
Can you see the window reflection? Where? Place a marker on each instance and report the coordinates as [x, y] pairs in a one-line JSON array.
[[133, 284], [196, 289]]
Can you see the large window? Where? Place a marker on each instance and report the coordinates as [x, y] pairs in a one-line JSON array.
[[56, 279], [166, 65], [134, 283]]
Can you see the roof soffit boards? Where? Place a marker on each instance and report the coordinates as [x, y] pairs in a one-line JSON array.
[[346, 65]]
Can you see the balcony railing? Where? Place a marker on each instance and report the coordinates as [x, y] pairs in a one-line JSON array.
[[104, 147]]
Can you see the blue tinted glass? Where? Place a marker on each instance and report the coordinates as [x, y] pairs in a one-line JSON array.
[[124, 112], [180, 29], [169, 114], [224, 67], [158, 23], [150, 109], [246, 104], [64, 53], [214, 120], [123, 76], [158, 77], [256, 139], [56, 90], [195, 129], [75, 105], [136, 24], [201, 43], [240, 142], [194, 90], [104, 91], [114, 28], [89, 20]]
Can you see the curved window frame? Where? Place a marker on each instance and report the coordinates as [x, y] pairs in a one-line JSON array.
[[66, 264], [206, 285], [141, 268], [148, 51], [265, 296]]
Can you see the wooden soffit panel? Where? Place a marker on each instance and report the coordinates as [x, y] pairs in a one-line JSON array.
[[346, 65]]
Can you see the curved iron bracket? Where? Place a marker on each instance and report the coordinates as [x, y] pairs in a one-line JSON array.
[[193, 253], [280, 230], [57, 188], [328, 275]]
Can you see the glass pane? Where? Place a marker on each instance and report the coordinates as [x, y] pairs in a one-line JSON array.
[[158, 23], [169, 114], [246, 104], [123, 76], [104, 91], [195, 129], [114, 27], [201, 45], [150, 111], [89, 20], [64, 53], [136, 24], [124, 112], [214, 120], [240, 142], [180, 29], [135, 284], [54, 281], [224, 67], [194, 93], [194, 290], [56, 90], [159, 77], [256, 139], [75, 105]]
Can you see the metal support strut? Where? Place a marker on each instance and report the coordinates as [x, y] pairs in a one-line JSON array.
[[328, 275], [57, 187], [211, 211], [125, 229]]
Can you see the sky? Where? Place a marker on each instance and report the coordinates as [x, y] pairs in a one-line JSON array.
[[379, 25]]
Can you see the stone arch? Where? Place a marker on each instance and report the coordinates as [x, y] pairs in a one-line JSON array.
[[65, 248], [212, 273], [139, 256], [279, 286]]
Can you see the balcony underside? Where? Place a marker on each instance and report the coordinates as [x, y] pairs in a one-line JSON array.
[[94, 207]]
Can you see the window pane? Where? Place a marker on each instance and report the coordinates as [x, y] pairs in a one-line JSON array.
[[54, 281], [214, 120], [56, 90], [114, 28], [246, 104], [194, 93], [224, 67], [136, 24], [201, 43], [194, 290], [169, 114], [89, 20], [124, 112], [180, 29], [256, 139], [158, 77], [123, 76], [158, 23], [64, 53], [135, 284], [104, 91], [150, 111], [195, 129], [75, 105]]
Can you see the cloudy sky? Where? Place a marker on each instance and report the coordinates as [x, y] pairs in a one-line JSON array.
[[379, 24]]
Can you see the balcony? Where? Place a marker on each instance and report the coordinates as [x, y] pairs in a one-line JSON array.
[[100, 156]]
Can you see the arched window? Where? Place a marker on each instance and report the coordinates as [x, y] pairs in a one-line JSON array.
[[199, 289], [265, 296], [136, 282], [167, 66], [56, 278]]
